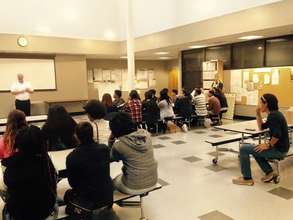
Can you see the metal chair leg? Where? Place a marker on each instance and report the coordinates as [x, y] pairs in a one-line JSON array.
[[142, 217]]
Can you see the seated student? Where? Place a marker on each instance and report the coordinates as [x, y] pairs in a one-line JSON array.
[[223, 101], [174, 95], [133, 106], [118, 101], [134, 148], [214, 107], [199, 101], [277, 147], [153, 93], [184, 108], [150, 112], [96, 113], [59, 129], [107, 101], [166, 109], [30, 178], [15, 122], [88, 168]]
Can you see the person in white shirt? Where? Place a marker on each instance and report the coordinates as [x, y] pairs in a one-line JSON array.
[[199, 101], [22, 90], [96, 113]]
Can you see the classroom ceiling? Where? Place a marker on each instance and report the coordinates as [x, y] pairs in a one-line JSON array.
[[106, 19]]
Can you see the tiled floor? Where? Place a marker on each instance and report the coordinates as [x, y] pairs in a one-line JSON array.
[[199, 190], [195, 189]]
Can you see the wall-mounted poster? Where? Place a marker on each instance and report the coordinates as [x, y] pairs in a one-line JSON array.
[[106, 75], [275, 77], [142, 75], [98, 76]]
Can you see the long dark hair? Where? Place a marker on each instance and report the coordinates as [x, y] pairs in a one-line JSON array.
[[107, 100], [134, 95], [30, 144], [164, 96], [58, 119], [15, 122], [187, 94]]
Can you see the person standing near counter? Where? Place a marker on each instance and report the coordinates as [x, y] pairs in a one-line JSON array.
[[22, 90]]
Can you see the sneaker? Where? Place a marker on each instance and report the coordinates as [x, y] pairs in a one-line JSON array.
[[184, 128], [269, 177], [242, 181]]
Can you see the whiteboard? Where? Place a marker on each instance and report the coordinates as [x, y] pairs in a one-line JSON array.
[[40, 73]]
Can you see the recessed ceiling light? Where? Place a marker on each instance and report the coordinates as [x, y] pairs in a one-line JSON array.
[[162, 53], [277, 40], [123, 57], [197, 46], [165, 58], [259, 48], [250, 37]]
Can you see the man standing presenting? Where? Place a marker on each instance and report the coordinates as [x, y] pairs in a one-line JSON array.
[[22, 90]]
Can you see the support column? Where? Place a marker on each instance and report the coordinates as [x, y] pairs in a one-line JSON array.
[[130, 48]]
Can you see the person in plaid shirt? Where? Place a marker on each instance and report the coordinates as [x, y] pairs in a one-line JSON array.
[[134, 107]]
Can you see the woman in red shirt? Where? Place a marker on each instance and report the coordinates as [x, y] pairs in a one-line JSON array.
[[134, 108], [15, 122]]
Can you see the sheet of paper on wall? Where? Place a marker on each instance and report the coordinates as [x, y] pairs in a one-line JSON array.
[[255, 78], [116, 75], [151, 74], [245, 76], [208, 75], [141, 84], [90, 76], [207, 84], [275, 77], [106, 87], [106, 74], [124, 86], [142, 75], [252, 98], [235, 82], [250, 86], [267, 79], [152, 83], [98, 76]]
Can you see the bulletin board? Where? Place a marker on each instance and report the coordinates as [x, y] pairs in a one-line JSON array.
[[249, 85]]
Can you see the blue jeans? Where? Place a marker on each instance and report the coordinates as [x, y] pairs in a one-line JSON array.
[[260, 157]]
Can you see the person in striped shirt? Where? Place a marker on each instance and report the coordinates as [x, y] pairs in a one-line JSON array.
[[199, 101]]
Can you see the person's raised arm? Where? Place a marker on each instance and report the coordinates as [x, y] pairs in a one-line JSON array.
[[259, 118]]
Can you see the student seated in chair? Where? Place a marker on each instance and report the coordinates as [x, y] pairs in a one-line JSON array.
[[183, 105], [30, 178], [276, 148], [15, 121], [223, 101], [133, 107], [150, 112], [59, 129], [214, 107], [166, 109], [96, 113], [88, 168], [134, 148], [199, 101], [118, 102]]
